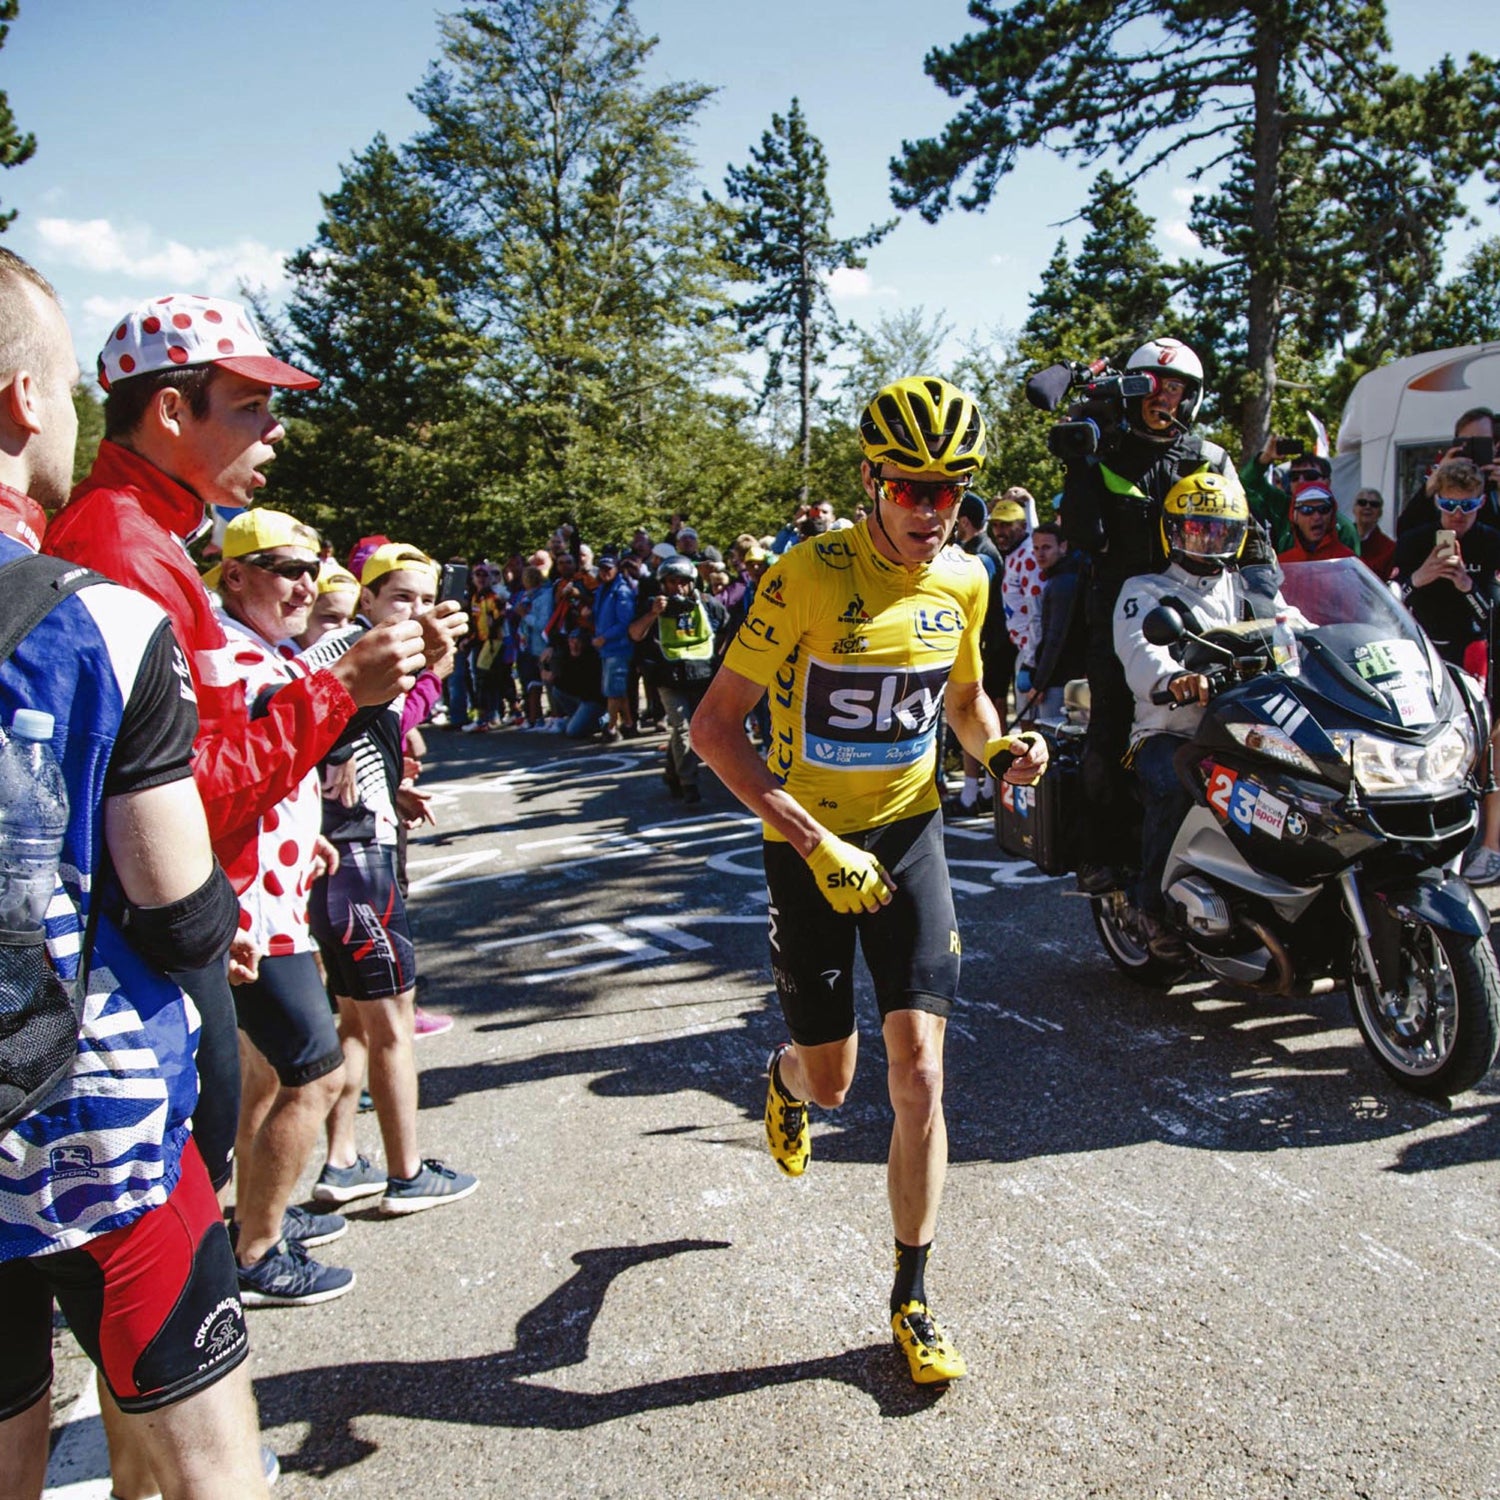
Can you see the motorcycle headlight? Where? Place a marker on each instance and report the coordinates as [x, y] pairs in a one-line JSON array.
[[1273, 743], [1433, 769]]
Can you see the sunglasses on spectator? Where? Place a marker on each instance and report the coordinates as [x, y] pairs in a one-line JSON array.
[[1314, 510], [1467, 505], [285, 567], [940, 494], [1370, 504], [1298, 475]]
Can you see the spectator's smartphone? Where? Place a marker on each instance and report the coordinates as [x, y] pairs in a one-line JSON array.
[[455, 583], [1445, 545], [1480, 449], [1288, 447]]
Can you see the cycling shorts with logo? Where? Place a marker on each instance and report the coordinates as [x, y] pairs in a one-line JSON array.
[[359, 919], [911, 946], [155, 1305]]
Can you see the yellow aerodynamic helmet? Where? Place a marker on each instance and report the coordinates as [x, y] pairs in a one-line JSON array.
[[923, 423], [1204, 520]]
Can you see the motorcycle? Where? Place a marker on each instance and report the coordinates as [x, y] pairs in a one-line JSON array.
[[1333, 777]]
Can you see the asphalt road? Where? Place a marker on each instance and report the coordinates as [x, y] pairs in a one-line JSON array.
[[1192, 1245]]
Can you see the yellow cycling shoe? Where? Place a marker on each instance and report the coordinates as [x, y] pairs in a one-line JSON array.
[[920, 1337], [787, 1132]]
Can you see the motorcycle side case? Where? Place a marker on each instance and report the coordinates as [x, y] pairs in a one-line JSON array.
[[1031, 822]]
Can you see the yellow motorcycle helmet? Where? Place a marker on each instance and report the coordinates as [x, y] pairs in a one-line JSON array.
[[1204, 521], [923, 423]]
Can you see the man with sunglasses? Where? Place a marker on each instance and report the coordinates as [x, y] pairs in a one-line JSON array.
[[1377, 551], [1111, 517], [1310, 516], [859, 637], [1446, 573], [1474, 438], [1268, 498]]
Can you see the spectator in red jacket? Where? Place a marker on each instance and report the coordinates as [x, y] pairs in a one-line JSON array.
[[1377, 551], [1313, 536]]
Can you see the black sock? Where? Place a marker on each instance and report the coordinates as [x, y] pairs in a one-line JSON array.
[[911, 1268]]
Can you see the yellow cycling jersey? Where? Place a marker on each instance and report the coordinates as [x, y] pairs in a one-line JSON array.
[[855, 652]]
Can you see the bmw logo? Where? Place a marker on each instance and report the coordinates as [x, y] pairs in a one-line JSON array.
[[1296, 825]]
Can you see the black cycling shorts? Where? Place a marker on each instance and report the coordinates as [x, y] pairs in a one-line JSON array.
[[155, 1305], [359, 920], [287, 1015], [911, 946]]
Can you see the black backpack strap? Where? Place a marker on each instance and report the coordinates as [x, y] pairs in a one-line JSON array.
[[32, 587]]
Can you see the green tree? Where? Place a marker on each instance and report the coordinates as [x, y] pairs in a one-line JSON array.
[[1341, 171], [1464, 310], [392, 439], [15, 148], [90, 410], [783, 241], [596, 280]]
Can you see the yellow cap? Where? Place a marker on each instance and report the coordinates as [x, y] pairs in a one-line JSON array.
[[255, 531], [332, 577], [1007, 510], [392, 558]]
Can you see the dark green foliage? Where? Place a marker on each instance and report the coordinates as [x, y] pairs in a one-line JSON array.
[[781, 240], [1340, 173], [15, 148]]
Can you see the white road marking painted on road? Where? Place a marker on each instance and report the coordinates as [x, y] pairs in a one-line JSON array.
[[666, 928], [1036, 1023], [1003, 872], [452, 864], [1383, 1258], [597, 936], [1484, 1245], [79, 1466]]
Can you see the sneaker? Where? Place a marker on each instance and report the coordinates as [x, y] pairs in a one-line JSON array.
[[920, 1337], [610, 737], [473, 728], [630, 731], [425, 1023], [787, 1131], [289, 1277], [366, 1104], [301, 1227], [433, 1185], [1482, 867], [343, 1184], [1097, 879]]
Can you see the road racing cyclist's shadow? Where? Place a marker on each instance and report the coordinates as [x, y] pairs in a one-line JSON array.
[[498, 1390]]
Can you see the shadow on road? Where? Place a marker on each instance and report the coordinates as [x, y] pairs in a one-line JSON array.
[[501, 1390]]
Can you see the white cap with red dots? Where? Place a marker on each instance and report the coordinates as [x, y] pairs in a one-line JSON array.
[[182, 329]]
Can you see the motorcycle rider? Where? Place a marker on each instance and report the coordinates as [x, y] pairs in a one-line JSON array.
[[1204, 521], [1111, 509]]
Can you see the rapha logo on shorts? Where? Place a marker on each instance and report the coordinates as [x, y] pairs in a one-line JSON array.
[[72, 1161], [221, 1333]]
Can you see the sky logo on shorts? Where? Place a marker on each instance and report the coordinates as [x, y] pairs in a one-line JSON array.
[[870, 718]]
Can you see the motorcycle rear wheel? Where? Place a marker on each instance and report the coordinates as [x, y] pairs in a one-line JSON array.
[[1437, 1030], [1117, 922]]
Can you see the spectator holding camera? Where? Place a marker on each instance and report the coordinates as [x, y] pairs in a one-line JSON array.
[[1473, 439], [1268, 496]]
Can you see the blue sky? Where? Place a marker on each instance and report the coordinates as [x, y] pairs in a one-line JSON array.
[[182, 144]]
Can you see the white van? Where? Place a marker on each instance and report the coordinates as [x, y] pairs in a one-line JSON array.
[[1400, 417]]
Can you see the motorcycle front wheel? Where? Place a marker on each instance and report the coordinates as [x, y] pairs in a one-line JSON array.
[[1436, 1029], [1124, 940]]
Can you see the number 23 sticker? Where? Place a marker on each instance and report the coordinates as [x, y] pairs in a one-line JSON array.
[[1220, 790]]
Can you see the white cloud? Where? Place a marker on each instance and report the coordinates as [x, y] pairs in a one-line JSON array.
[[1178, 233], [849, 285], [100, 247], [999, 260], [102, 310], [1184, 196]]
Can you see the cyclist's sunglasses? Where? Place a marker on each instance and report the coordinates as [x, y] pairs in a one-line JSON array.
[[1472, 503], [940, 494], [288, 568]]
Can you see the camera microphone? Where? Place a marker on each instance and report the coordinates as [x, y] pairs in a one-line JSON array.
[[1046, 389]]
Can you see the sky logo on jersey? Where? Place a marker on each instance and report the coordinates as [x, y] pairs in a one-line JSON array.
[[938, 627], [870, 718]]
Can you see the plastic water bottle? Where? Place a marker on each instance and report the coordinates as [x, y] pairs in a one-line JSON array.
[[33, 819], [1284, 647]]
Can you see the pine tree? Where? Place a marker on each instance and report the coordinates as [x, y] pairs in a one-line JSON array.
[[1340, 172], [783, 241], [15, 148]]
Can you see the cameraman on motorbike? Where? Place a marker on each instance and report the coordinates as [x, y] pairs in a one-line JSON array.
[[1112, 511], [1204, 522]]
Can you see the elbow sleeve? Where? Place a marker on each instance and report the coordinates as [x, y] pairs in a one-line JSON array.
[[186, 934]]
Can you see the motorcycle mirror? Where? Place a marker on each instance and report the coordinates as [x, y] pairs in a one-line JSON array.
[[1163, 626]]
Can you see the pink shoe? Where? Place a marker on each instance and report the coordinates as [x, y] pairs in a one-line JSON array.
[[424, 1023]]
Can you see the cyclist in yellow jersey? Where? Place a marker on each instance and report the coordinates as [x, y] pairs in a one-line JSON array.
[[858, 637]]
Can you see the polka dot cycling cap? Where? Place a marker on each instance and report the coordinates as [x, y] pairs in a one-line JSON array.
[[182, 329]]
